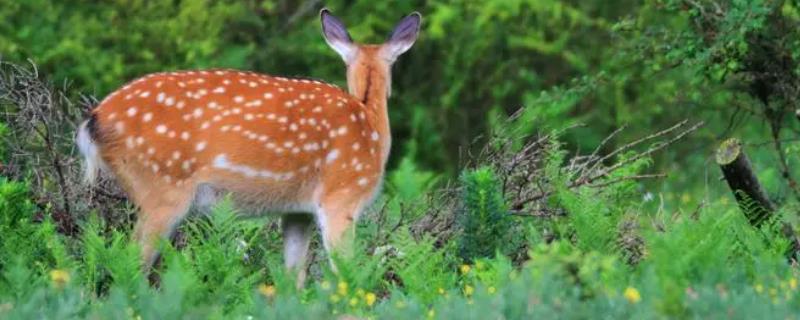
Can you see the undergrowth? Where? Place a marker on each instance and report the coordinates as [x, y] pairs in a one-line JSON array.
[[576, 265]]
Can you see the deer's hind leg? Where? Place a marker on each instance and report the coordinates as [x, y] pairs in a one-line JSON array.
[[297, 230]]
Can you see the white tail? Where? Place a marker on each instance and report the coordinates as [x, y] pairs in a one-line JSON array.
[[279, 144], [93, 163]]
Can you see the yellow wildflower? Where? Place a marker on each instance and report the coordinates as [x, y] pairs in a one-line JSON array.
[[759, 288], [465, 268], [793, 283], [479, 265], [266, 290], [468, 290], [335, 298], [632, 295], [353, 301], [59, 277], [341, 288], [360, 292], [441, 291], [325, 285], [431, 313], [370, 298], [491, 290]]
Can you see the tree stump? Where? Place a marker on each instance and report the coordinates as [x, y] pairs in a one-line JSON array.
[[743, 182], [748, 192]]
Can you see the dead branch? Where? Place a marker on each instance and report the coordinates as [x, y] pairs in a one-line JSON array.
[[630, 145], [653, 149], [41, 120], [588, 169]]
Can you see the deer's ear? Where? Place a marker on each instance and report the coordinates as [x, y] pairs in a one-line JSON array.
[[336, 36], [402, 37]]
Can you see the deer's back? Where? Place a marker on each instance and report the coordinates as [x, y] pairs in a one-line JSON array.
[[262, 137]]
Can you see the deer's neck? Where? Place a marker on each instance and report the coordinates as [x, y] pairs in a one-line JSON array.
[[370, 84]]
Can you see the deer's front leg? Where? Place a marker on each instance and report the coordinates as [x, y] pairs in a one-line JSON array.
[[336, 223]]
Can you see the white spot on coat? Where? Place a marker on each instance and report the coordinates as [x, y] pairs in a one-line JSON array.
[[331, 156]]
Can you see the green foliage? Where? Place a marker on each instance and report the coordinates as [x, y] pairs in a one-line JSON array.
[[109, 259], [485, 224], [422, 268], [407, 188], [35, 245], [359, 269], [696, 265], [144, 37], [217, 249]]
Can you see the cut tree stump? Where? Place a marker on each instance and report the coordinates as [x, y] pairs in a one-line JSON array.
[[743, 181], [749, 194]]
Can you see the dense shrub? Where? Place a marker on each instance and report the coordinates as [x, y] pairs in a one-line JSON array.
[[485, 223]]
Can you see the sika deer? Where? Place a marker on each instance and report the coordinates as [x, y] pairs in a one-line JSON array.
[[299, 147]]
